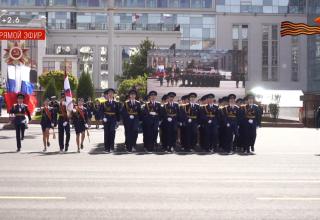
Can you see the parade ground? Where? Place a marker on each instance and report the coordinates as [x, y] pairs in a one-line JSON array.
[[281, 181]]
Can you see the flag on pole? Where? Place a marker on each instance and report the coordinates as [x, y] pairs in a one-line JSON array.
[[67, 89], [18, 81]]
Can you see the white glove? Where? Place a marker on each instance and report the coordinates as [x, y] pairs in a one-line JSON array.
[[105, 120], [86, 125], [152, 113], [250, 121], [24, 121], [189, 120], [228, 125], [180, 123], [209, 121], [73, 110], [131, 117], [65, 124], [52, 125], [169, 119]]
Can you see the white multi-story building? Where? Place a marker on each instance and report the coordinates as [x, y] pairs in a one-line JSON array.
[[77, 31]]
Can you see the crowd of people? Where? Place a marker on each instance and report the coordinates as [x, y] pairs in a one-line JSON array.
[[226, 125]]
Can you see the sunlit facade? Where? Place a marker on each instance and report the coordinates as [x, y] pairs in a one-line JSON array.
[[77, 30]]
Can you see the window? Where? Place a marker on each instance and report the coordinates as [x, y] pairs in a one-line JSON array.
[[63, 49], [104, 67], [240, 42], [261, 6], [48, 66], [86, 59], [270, 53], [295, 58]]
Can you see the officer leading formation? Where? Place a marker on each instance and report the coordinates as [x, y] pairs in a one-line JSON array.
[[193, 124]]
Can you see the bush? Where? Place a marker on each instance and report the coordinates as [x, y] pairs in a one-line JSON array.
[[51, 89], [274, 110], [85, 87], [139, 83], [58, 77]]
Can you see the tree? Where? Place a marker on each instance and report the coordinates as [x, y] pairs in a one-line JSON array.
[[85, 86], [51, 89], [139, 83], [58, 77], [138, 65]]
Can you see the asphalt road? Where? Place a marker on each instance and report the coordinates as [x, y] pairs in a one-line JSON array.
[[282, 181]]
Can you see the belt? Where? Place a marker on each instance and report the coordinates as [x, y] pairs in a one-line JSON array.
[[211, 116], [110, 113], [232, 116], [20, 114], [133, 113], [172, 115], [251, 117], [192, 117]]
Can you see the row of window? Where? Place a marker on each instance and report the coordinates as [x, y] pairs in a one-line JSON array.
[[230, 6]]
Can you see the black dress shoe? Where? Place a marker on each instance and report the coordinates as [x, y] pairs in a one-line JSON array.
[[81, 146], [48, 144], [18, 150]]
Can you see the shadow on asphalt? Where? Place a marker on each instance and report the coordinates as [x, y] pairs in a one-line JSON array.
[[9, 152]]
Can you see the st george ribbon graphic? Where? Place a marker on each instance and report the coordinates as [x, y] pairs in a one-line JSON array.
[[294, 29]]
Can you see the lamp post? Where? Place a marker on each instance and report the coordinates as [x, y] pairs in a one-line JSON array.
[[110, 11]]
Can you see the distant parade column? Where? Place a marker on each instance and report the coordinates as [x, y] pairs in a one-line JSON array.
[[110, 10]]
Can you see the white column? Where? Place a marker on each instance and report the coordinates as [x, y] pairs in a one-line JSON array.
[[110, 45], [4, 45]]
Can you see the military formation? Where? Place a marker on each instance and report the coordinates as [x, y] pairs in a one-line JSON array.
[[227, 125]]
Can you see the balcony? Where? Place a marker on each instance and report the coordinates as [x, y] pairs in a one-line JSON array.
[[120, 27], [61, 51]]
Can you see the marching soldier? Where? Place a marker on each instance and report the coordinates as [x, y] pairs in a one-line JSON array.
[[182, 128], [110, 116], [63, 124], [250, 119], [47, 122], [90, 108], [189, 117], [96, 112], [80, 121], [210, 119], [131, 118], [231, 116], [317, 118], [150, 120], [164, 100], [169, 122], [20, 110], [222, 127]]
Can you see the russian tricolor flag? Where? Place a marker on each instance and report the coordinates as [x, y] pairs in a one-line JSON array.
[[18, 81]]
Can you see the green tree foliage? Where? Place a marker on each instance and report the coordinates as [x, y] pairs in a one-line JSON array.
[[138, 65], [85, 87], [139, 83], [58, 77], [51, 89]]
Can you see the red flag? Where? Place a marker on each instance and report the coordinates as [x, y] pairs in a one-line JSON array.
[[11, 99]]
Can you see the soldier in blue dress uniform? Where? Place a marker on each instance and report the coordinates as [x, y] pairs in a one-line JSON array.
[[63, 124], [210, 121], [317, 118], [80, 121], [222, 127], [20, 110], [230, 119], [170, 117], [151, 111], [189, 117], [131, 112], [110, 116], [182, 127], [47, 122], [250, 120], [164, 100]]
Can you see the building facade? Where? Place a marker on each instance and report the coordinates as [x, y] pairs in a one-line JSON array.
[[77, 32]]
